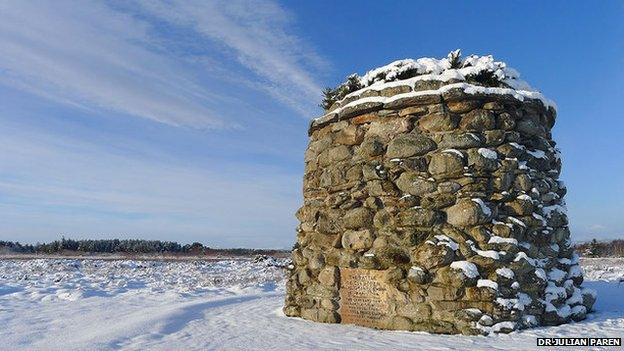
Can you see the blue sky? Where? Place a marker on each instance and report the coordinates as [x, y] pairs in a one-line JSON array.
[[187, 120]]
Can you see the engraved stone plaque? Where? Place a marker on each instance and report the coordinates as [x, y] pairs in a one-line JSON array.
[[363, 297]]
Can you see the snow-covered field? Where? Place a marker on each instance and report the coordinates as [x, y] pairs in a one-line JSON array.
[[68, 304]]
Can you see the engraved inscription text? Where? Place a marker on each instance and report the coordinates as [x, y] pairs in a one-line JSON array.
[[363, 297]]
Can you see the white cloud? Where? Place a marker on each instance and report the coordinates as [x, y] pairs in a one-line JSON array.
[[258, 35], [112, 59], [59, 184], [192, 63], [92, 56]]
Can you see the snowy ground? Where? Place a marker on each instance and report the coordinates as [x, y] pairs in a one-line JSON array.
[[53, 304]]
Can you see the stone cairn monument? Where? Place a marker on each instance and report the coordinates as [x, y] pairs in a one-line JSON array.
[[432, 203]]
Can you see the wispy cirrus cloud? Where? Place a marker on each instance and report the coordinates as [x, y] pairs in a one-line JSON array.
[[92, 56], [256, 34], [117, 57], [81, 84]]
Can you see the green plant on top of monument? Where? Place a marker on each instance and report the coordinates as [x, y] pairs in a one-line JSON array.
[[455, 60], [485, 78], [330, 96], [476, 70]]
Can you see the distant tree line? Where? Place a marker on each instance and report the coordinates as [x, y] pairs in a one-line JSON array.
[[595, 248], [136, 246], [103, 246]]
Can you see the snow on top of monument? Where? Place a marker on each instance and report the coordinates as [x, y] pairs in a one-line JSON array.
[[444, 70], [467, 88], [407, 72], [428, 68]]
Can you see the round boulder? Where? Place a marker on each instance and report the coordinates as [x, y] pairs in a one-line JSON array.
[[356, 218], [407, 145], [446, 163], [358, 240], [467, 212], [413, 184]]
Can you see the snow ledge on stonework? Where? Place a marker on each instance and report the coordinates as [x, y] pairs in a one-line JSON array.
[[467, 88]]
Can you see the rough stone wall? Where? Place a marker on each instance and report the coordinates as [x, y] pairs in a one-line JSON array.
[[454, 196]]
